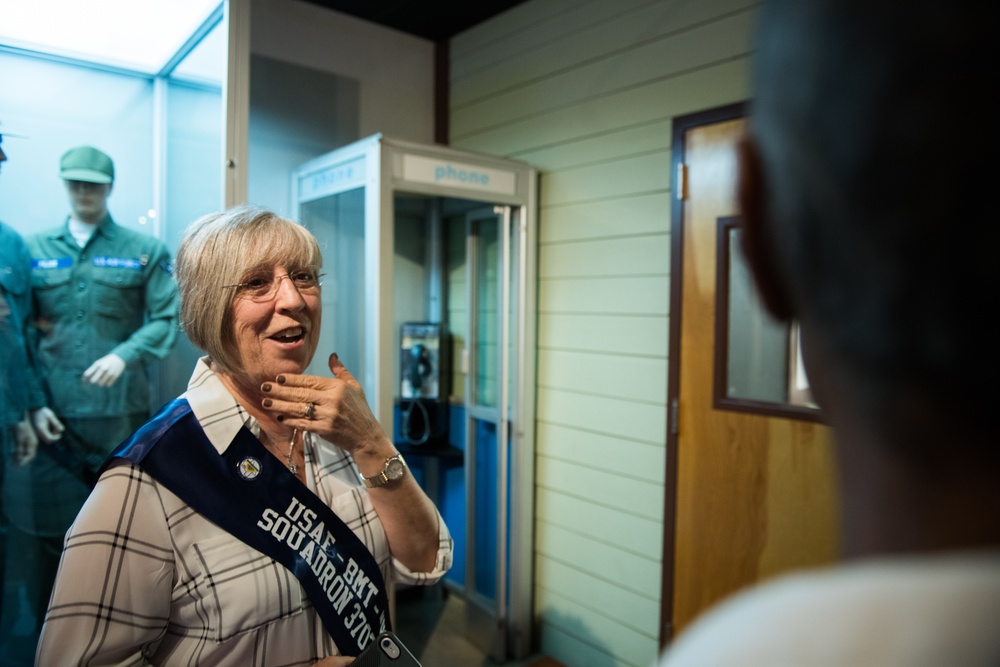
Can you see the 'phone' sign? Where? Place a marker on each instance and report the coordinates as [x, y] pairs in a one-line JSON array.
[[458, 175]]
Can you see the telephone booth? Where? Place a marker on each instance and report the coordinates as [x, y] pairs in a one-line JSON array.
[[429, 299]]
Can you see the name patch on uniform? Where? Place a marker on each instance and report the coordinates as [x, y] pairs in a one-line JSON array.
[[52, 263], [118, 263]]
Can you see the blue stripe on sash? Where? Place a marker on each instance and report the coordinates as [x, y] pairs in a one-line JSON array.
[[250, 495]]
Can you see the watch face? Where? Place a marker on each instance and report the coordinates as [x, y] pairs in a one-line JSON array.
[[394, 469]]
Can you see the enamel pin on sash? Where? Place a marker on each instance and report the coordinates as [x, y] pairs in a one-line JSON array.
[[249, 468]]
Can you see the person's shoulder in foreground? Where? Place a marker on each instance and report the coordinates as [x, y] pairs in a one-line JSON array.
[[902, 612], [865, 221]]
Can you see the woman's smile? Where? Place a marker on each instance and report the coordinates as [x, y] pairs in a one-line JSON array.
[[291, 336]]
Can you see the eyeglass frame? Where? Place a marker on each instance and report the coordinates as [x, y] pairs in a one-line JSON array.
[[276, 285]]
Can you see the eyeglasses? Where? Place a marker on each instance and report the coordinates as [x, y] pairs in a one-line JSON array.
[[263, 288]]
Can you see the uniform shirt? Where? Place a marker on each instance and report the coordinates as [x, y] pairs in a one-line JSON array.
[[19, 384], [116, 294], [143, 576], [916, 611]]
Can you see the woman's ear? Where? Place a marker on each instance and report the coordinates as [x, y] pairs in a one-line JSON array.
[[758, 246]]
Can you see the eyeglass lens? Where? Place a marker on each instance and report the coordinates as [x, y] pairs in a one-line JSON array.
[[264, 288]]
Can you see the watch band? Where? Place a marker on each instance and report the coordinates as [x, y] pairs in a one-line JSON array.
[[395, 468]]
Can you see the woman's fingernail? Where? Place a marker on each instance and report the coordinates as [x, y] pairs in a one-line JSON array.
[[281, 379], [266, 386], [267, 402]]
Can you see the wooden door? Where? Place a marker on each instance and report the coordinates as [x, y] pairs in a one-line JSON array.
[[753, 495]]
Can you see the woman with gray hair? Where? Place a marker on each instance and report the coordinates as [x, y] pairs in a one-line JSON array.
[[259, 518]]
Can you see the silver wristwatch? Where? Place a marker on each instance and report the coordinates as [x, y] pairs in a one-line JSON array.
[[394, 469]]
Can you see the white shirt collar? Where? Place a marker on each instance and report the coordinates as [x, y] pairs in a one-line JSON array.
[[81, 231], [217, 411]]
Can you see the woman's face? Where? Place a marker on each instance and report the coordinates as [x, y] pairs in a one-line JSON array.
[[278, 334]]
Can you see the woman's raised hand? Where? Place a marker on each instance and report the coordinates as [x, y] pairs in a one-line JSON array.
[[333, 408]]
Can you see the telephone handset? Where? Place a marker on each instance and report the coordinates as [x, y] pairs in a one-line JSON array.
[[420, 366], [423, 377]]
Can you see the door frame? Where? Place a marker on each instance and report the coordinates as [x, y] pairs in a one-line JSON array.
[[681, 125], [487, 620], [236, 102]]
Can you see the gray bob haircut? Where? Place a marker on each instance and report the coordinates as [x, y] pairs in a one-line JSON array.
[[225, 249]]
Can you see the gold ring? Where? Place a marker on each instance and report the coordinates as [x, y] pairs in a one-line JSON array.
[[310, 410]]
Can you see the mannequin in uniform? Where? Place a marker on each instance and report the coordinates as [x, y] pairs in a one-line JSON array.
[[105, 306]]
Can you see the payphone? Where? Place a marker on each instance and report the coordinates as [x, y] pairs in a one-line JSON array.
[[423, 405]]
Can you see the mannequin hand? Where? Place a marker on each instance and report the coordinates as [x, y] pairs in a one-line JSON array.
[[105, 371], [47, 425], [26, 442]]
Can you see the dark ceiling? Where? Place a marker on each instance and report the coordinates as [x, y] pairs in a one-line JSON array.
[[436, 20]]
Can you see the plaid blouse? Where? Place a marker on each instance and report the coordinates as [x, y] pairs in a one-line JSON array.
[[144, 579]]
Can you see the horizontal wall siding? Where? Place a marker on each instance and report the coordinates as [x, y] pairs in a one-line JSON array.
[[634, 378], [635, 534], [638, 255], [610, 295], [623, 177], [655, 61], [623, 334], [598, 638], [552, 38], [716, 84], [586, 90]]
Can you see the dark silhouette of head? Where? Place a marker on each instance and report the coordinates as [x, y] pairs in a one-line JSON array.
[[875, 136]]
